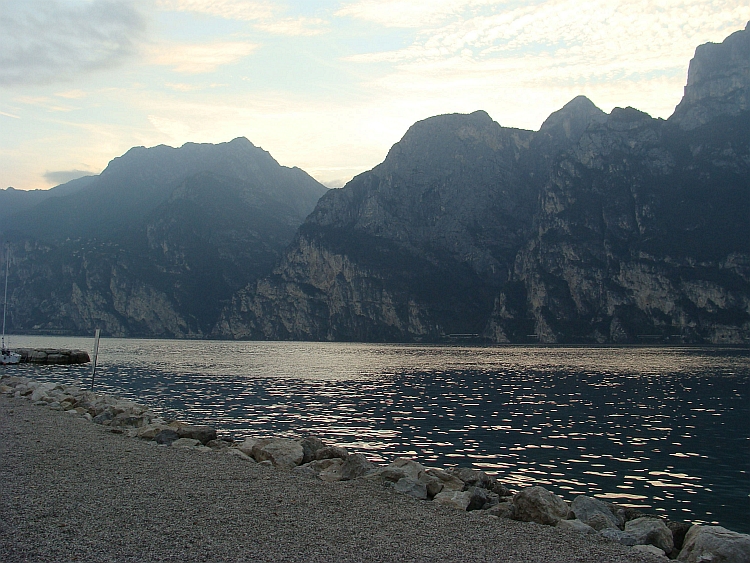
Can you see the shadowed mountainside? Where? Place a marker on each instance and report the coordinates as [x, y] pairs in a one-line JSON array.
[[597, 228], [157, 244]]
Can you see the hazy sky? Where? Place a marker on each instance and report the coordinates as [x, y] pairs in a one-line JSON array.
[[326, 85]]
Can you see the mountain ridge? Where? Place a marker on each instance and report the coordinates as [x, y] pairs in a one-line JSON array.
[[582, 232]]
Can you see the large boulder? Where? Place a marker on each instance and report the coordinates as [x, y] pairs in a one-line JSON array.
[[42, 391], [619, 536], [354, 466], [401, 468], [185, 443], [166, 437], [247, 445], [715, 544], [503, 510], [328, 470], [651, 531], [576, 526], [455, 499], [482, 499], [204, 434], [310, 445], [537, 504], [476, 478], [594, 513], [331, 452], [448, 481], [282, 452], [411, 487]]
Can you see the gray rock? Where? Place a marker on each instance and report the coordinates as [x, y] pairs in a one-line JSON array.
[[411, 487], [409, 467], [246, 447], [652, 549], [330, 452], [651, 531], [185, 443], [316, 466], [504, 510], [125, 419], [593, 512], [432, 483], [104, 416], [619, 536], [166, 437], [715, 544], [236, 452], [281, 452], [150, 431], [397, 470], [332, 471], [203, 434], [310, 445], [218, 445], [355, 466], [481, 498], [576, 526], [455, 499], [42, 390], [537, 504]]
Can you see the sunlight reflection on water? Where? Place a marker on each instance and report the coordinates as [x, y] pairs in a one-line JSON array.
[[663, 429]]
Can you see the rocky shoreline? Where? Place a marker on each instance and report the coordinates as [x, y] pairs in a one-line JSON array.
[[463, 489]]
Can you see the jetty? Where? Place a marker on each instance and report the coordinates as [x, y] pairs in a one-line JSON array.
[[52, 356]]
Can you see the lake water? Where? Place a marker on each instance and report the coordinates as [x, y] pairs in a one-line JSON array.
[[663, 429]]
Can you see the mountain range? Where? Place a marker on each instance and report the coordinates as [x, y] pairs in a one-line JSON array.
[[598, 228], [157, 244]]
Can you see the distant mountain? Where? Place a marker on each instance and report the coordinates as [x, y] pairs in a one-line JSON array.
[[13, 201], [597, 228], [156, 244]]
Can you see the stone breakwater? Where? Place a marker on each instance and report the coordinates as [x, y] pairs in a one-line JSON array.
[[464, 489], [52, 356]]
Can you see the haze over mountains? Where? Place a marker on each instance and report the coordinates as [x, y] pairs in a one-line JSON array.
[[157, 243], [596, 228]]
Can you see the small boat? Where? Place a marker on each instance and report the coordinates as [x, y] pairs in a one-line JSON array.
[[6, 356]]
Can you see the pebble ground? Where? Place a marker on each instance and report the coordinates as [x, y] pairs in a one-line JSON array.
[[71, 490]]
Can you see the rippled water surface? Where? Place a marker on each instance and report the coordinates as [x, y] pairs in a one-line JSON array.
[[664, 429]]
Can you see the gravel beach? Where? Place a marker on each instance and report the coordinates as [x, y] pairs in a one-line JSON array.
[[71, 490]]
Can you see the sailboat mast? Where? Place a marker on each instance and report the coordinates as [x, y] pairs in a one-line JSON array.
[[5, 296]]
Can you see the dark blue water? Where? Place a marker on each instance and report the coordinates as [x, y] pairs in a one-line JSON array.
[[662, 429]]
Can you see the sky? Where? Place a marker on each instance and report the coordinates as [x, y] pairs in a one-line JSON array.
[[325, 85]]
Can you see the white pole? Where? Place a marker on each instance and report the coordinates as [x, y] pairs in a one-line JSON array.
[[93, 361], [5, 297]]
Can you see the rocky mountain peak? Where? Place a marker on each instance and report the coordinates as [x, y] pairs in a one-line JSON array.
[[718, 81], [572, 119]]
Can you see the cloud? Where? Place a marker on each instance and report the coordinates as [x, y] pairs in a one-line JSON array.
[[408, 13], [72, 94], [201, 58], [265, 13], [63, 176], [294, 26], [501, 50], [49, 41], [229, 9]]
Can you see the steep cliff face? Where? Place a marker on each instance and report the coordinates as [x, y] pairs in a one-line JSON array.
[[596, 228], [641, 233], [165, 242], [718, 82]]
